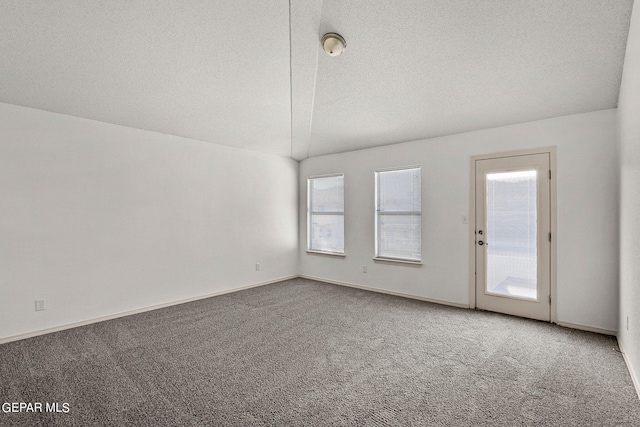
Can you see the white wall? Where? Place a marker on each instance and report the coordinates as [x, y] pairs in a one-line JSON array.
[[587, 214], [629, 134], [100, 219]]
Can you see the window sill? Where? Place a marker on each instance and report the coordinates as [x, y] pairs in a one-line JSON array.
[[398, 261], [336, 254]]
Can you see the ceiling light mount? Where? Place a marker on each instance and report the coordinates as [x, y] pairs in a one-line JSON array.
[[333, 43]]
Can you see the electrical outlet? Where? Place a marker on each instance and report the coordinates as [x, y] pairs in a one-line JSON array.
[[257, 266], [40, 305], [364, 268]]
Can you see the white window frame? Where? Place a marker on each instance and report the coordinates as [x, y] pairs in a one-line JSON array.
[[310, 215], [378, 213]]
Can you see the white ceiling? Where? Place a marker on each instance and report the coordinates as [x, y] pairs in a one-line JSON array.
[[251, 74]]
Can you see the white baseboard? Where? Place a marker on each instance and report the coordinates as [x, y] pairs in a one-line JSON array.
[[588, 328], [136, 311], [385, 291], [632, 372]]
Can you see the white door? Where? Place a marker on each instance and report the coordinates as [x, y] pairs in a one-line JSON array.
[[513, 235]]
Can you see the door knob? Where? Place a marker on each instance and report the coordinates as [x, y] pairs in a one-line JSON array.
[[480, 242]]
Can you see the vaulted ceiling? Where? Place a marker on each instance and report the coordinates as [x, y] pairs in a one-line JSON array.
[[252, 74]]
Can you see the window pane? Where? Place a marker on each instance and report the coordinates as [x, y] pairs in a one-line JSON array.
[[399, 190], [398, 214], [512, 234], [327, 233], [399, 236], [326, 214], [327, 194]]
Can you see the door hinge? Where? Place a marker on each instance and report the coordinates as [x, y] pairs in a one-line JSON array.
[[549, 299], [549, 173], [549, 236]]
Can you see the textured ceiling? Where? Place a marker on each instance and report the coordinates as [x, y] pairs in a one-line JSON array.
[[251, 74]]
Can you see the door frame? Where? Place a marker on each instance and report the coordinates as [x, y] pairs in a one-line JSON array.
[[551, 150]]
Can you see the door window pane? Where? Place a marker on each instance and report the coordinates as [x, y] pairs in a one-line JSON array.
[[512, 233]]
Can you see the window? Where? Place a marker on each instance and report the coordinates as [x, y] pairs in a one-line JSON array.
[[325, 208], [398, 215]]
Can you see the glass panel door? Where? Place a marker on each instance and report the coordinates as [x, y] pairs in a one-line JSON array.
[[512, 248]]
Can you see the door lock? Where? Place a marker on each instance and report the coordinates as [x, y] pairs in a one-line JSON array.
[[480, 242]]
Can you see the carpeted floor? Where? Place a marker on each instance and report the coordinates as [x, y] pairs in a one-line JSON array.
[[307, 353]]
